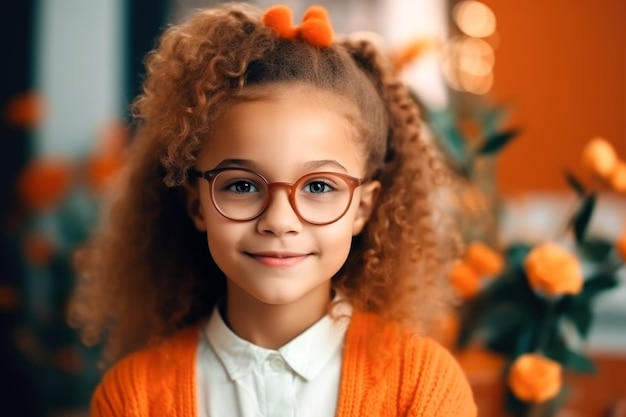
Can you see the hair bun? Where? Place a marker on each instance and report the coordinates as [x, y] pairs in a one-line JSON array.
[[315, 28], [316, 12], [279, 18], [317, 32]]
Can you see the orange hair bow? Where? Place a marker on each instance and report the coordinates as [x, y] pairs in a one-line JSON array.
[[315, 27]]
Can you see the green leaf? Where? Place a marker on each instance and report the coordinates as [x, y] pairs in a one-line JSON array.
[[497, 141], [579, 363], [516, 253], [581, 316], [456, 143], [524, 339], [575, 184], [580, 221], [556, 404], [492, 118], [450, 138], [495, 313], [578, 308], [515, 406], [555, 348], [596, 250], [598, 283], [501, 326]]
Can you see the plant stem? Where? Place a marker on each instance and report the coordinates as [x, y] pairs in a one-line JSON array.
[[546, 327]]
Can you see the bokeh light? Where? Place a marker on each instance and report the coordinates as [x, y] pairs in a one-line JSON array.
[[474, 18], [475, 56], [468, 64]]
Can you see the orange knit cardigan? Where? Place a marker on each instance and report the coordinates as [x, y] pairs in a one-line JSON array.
[[385, 373]]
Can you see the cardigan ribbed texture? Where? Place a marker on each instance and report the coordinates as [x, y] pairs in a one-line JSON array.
[[386, 372]]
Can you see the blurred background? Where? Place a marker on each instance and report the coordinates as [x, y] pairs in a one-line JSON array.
[[536, 80]]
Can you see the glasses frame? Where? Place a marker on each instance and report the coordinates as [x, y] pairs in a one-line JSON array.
[[211, 174]]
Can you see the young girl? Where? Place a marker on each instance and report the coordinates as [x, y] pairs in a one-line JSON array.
[[273, 248]]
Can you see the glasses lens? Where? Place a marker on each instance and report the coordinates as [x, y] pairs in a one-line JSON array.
[[321, 197], [239, 194]]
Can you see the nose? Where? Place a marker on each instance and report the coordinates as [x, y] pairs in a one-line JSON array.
[[279, 217]]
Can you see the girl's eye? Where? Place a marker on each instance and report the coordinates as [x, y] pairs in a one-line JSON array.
[[318, 187], [242, 187]]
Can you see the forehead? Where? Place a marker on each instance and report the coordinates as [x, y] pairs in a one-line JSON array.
[[281, 126], [282, 90]]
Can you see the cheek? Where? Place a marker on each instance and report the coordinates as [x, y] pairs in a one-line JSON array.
[[336, 240], [221, 233], [223, 242]]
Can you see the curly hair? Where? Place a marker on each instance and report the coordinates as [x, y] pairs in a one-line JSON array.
[[148, 272]]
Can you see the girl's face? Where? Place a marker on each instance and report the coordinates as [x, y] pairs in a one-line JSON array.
[[277, 258]]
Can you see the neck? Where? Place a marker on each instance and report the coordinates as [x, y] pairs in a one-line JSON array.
[[273, 325]]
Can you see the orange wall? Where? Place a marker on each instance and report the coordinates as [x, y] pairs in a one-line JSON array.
[[562, 64]]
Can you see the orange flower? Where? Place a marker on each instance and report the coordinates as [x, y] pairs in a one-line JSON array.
[[410, 53], [552, 269], [617, 178], [101, 170], [464, 279], [113, 138], [25, 110], [108, 158], [620, 245], [9, 300], [483, 259], [535, 378], [44, 182], [599, 157]]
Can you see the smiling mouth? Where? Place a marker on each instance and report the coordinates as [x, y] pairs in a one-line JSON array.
[[278, 259]]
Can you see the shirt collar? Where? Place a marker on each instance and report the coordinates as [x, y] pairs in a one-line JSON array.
[[306, 355]]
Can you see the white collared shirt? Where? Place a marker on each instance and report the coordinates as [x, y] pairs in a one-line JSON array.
[[238, 378]]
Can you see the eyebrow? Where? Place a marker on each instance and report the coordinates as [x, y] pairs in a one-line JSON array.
[[307, 166]]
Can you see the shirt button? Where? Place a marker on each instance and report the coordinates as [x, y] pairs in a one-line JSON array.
[[277, 363]]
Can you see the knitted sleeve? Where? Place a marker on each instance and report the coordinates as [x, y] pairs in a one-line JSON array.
[[442, 389], [122, 391], [158, 381]]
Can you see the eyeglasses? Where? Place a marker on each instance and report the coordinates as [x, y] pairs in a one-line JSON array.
[[317, 198]]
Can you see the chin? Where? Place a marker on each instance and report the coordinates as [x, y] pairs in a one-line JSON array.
[[292, 296], [278, 298]]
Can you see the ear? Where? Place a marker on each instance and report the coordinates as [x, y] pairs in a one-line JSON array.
[[194, 206], [369, 196]]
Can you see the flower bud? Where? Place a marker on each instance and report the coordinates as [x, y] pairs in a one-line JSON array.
[[464, 279], [534, 378], [553, 270], [599, 157], [483, 259], [617, 178], [44, 182]]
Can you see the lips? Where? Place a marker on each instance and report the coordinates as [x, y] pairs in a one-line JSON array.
[[278, 259]]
